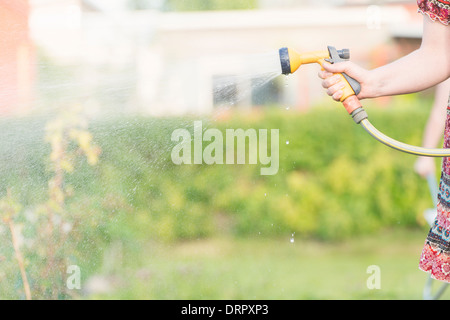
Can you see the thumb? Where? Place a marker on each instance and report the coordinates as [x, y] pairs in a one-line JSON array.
[[340, 67], [348, 67]]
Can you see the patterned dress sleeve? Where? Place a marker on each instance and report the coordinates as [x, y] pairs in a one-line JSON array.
[[435, 9]]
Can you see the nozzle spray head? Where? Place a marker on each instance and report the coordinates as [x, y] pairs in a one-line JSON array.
[[290, 60], [285, 61]]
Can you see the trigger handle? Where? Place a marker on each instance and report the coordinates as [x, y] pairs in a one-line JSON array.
[[340, 56]]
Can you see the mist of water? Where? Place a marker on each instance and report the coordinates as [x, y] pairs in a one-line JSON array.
[[250, 72], [135, 148]]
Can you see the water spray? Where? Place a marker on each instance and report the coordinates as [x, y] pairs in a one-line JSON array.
[[291, 60]]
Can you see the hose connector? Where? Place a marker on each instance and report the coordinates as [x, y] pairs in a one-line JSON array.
[[359, 115], [351, 103]]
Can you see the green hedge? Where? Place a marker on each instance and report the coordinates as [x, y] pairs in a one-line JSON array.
[[334, 180]]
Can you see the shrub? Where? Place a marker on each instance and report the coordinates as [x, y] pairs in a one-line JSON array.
[[334, 180]]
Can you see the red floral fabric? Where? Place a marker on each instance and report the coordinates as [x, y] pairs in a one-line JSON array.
[[435, 9], [435, 257]]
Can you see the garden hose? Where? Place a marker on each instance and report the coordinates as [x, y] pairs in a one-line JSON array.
[[291, 60], [419, 151]]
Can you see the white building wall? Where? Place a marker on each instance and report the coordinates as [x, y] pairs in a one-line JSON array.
[[174, 56]]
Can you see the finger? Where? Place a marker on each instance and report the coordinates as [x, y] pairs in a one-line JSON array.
[[331, 81], [336, 67], [324, 74], [337, 95], [334, 88]]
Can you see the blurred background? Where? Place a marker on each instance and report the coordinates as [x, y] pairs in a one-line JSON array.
[[90, 93]]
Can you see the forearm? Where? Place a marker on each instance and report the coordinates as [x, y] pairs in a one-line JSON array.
[[436, 122], [434, 130], [412, 73], [421, 69]]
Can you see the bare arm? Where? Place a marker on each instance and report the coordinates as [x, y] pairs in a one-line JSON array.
[[421, 69], [434, 129], [436, 122]]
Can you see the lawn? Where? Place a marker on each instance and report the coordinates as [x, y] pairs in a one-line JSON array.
[[265, 268]]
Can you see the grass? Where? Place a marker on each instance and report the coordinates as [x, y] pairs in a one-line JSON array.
[[267, 268]]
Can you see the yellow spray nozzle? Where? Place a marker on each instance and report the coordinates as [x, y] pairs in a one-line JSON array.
[[291, 60]]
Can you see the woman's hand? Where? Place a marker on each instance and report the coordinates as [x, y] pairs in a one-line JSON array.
[[419, 70], [424, 166], [334, 83]]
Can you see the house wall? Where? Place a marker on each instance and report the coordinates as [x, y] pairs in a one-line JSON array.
[[16, 57], [163, 63], [189, 49]]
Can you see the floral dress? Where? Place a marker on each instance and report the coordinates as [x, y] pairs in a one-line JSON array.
[[435, 257]]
